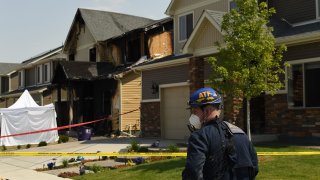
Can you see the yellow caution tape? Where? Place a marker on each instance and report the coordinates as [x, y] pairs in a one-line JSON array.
[[178, 154]]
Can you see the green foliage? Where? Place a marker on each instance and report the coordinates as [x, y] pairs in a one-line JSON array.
[[19, 147], [248, 63], [143, 149], [63, 138], [95, 168], [65, 162], [4, 148], [42, 143], [134, 146], [173, 148], [28, 146]]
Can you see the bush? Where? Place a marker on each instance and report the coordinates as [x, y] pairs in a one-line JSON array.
[[143, 149], [28, 146], [63, 138], [173, 148], [19, 147], [65, 162], [42, 143], [95, 168], [4, 148], [134, 146]]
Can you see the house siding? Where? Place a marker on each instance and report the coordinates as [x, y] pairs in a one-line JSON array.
[[83, 45], [303, 51], [295, 11], [217, 6], [131, 98], [167, 75]]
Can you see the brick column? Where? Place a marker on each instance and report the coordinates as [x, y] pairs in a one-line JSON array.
[[196, 72]]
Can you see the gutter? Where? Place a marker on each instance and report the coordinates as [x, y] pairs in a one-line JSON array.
[[300, 38]]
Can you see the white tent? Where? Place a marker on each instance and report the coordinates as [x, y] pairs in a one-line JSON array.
[[25, 115]]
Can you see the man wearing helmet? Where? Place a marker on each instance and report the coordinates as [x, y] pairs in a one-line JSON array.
[[216, 149]]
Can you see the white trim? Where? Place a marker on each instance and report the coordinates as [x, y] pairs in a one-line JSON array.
[[48, 55], [174, 85], [185, 14], [21, 80], [305, 23], [150, 100], [39, 78], [302, 62], [204, 15], [189, 8], [299, 38], [317, 9], [163, 64], [206, 51], [1, 85], [48, 72], [120, 104]]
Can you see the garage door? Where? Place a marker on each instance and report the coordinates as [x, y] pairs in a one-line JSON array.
[[174, 115]]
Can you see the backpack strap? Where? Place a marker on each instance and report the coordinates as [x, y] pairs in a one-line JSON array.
[[233, 129]]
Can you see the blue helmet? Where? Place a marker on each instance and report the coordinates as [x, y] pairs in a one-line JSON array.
[[204, 96]]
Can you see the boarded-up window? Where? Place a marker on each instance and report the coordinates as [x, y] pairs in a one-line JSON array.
[[185, 26]]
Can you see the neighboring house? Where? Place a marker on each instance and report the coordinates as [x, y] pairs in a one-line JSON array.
[[101, 47], [35, 75], [294, 110], [5, 69]]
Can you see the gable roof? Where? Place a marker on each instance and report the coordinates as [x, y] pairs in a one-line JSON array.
[[43, 55], [104, 25], [214, 17], [5, 68]]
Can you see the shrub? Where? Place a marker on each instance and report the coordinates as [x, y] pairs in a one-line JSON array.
[[65, 162], [95, 168], [134, 146], [19, 147], [4, 148], [42, 143], [28, 146], [173, 148], [63, 138], [143, 149]]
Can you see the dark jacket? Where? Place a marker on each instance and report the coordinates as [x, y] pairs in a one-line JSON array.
[[215, 151]]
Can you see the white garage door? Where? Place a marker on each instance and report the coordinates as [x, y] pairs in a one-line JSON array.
[[174, 115]]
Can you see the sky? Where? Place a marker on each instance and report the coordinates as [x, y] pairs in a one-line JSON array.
[[30, 27]]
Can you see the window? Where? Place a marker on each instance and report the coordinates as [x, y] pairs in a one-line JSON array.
[[39, 74], [93, 55], [21, 78], [232, 5], [46, 72], [185, 26], [71, 57], [303, 85]]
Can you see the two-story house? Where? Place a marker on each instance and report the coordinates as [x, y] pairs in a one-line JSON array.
[[92, 59], [197, 26], [35, 75], [5, 69]]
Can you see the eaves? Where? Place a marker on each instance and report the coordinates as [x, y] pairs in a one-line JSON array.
[[165, 64], [299, 38]]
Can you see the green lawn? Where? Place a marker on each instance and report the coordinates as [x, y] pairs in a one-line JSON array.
[[271, 167]]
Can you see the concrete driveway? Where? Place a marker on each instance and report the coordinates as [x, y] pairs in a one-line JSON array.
[[22, 167]]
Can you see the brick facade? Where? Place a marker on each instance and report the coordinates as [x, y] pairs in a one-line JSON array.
[[196, 73], [150, 119], [299, 122]]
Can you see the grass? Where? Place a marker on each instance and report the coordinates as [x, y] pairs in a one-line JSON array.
[[271, 167]]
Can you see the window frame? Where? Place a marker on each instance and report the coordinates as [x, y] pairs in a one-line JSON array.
[[39, 74], [317, 9], [229, 3], [289, 70], [21, 79], [46, 74], [95, 54], [181, 15]]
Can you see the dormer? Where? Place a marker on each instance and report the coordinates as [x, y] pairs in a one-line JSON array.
[[186, 14]]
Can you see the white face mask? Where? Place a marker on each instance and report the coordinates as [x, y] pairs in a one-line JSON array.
[[194, 120]]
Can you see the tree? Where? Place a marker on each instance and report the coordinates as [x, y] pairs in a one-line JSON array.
[[248, 62]]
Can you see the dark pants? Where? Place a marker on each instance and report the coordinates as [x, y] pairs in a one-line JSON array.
[[244, 173]]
